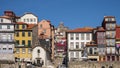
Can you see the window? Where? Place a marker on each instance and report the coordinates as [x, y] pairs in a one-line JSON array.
[[77, 36], [17, 34], [77, 45], [17, 42], [23, 34], [31, 20], [108, 26], [113, 19], [90, 50], [44, 31], [23, 50], [8, 26], [87, 36], [106, 19], [71, 45], [34, 20], [1, 20], [77, 54], [29, 34], [17, 50], [27, 20], [95, 50], [23, 26], [103, 67], [40, 25], [113, 58], [71, 36], [72, 54], [0, 26], [29, 42], [23, 42], [38, 51], [29, 50], [82, 44], [24, 20], [82, 36], [4, 48], [10, 48], [108, 58], [17, 26]]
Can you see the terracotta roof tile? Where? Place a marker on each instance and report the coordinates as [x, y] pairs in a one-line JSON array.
[[101, 29], [8, 17], [20, 23], [31, 26], [81, 30]]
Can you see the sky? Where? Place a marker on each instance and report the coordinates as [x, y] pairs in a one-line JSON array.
[[73, 13]]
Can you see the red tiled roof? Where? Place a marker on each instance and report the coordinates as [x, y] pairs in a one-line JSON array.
[[20, 23], [31, 26], [8, 17], [118, 33], [101, 29], [109, 16], [85, 29]]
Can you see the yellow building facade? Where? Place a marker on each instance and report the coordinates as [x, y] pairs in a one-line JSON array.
[[23, 38]]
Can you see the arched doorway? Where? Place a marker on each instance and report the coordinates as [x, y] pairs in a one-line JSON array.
[[103, 67]]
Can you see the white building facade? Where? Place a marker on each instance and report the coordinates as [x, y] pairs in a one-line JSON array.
[[76, 42], [39, 56], [6, 39], [29, 18]]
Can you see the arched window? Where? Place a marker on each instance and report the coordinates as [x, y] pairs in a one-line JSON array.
[[38, 51]]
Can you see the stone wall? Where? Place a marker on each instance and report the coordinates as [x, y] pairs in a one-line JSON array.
[[82, 64]]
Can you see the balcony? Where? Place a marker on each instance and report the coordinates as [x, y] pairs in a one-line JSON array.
[[76, 49], [6, 41]]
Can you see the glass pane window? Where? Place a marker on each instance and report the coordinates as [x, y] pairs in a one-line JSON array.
[[29, 34], [77, 54], [71, 36], [23, 42], [82, 36], [29, 50], [77, 45], [87, 36], [29, 42], [17, 50], [71, 45], [77, 36], [23, 34], [82, 44], [0, 26], [23, 50], [8, 26], [72, 54]]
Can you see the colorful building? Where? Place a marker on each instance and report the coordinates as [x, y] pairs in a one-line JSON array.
[[28, 18], [7, 37], [109, 24], [101, 43], [76, 42], [118, 42], [60, 40], [23, 38], [92, 51], [47, 29]]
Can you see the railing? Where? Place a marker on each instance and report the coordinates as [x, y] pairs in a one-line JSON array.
[[6, 40]]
